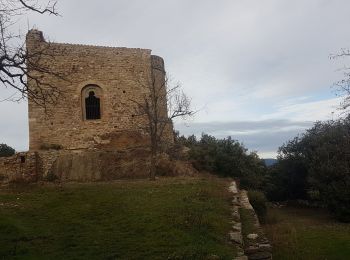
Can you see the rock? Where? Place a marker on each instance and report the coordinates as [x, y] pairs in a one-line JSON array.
[[243, 257], [265, 247], [233, 187], [251, 249], [240, 251], [235, 208], [260, 256], [252, 236], [236, 237], [236, 215], [237, 227], [235, 200], [235, 212], [244, 200]]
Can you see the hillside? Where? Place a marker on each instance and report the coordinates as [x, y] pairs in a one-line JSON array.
[[173, 218], [270, 161]]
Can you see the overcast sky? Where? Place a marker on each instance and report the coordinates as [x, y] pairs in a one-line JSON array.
[[258, 71]]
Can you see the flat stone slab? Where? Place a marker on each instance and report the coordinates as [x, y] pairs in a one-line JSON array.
[[252, 236], [243, 257], [236, 200], [245, 201], [236, 215], [236, 237], [233, 187], [265, 247], [237, 227], [260, 256], [256, 248]]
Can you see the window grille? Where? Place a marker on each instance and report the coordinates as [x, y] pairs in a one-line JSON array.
[[92, 107]]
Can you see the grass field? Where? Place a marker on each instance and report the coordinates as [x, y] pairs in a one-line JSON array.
[[300, 233], [166, 219]]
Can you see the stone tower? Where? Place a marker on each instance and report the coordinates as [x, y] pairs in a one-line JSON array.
[[99, 88]]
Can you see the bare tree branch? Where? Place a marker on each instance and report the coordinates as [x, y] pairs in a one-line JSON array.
[[18, 68], [50, 7], [342, 87], [160, 105]]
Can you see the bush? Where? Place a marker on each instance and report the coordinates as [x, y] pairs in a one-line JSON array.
[[6, 151], [315, 167], [225, 157], [258, 201]]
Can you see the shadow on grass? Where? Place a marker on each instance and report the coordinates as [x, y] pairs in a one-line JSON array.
[[304, 233]]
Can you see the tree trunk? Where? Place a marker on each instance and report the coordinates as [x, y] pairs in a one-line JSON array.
[[152, 173]]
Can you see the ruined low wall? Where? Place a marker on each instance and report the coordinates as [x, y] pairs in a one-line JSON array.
[[250, 242], [81, 165], [256, 244], [19, 167]]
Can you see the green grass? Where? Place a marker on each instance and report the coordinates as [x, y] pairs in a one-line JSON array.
[[300, 233], [169, 218]]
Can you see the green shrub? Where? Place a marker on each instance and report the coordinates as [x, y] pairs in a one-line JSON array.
[[225, 157], [6, 150], [258, 201], [315, 167]]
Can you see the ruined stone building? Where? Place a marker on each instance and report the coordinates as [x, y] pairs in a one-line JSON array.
[[99, 88], [92, 132]]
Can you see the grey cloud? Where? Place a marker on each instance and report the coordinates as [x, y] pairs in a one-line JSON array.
[[277, 48], [246, 125], [263, 136], [262, 52]]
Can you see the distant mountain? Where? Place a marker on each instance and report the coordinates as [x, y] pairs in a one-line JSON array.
[[269, 162]]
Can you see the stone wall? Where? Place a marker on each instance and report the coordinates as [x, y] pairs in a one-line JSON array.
[[100, 165], [77, 165], [21, 167], [246, 234], [123, 75], [256, 244], [63, 144]]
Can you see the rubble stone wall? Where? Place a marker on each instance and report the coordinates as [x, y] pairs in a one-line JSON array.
[[19, 167], [254, 244], [82, 165]]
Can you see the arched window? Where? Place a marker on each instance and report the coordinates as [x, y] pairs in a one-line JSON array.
[[92, 106], [91, 101]]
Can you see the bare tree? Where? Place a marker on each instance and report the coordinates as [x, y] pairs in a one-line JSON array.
[[160, 106], [343, 86], [17, 66]]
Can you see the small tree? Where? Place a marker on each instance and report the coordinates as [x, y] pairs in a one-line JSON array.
[[160, 106], [6, 150], [316, 166]]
